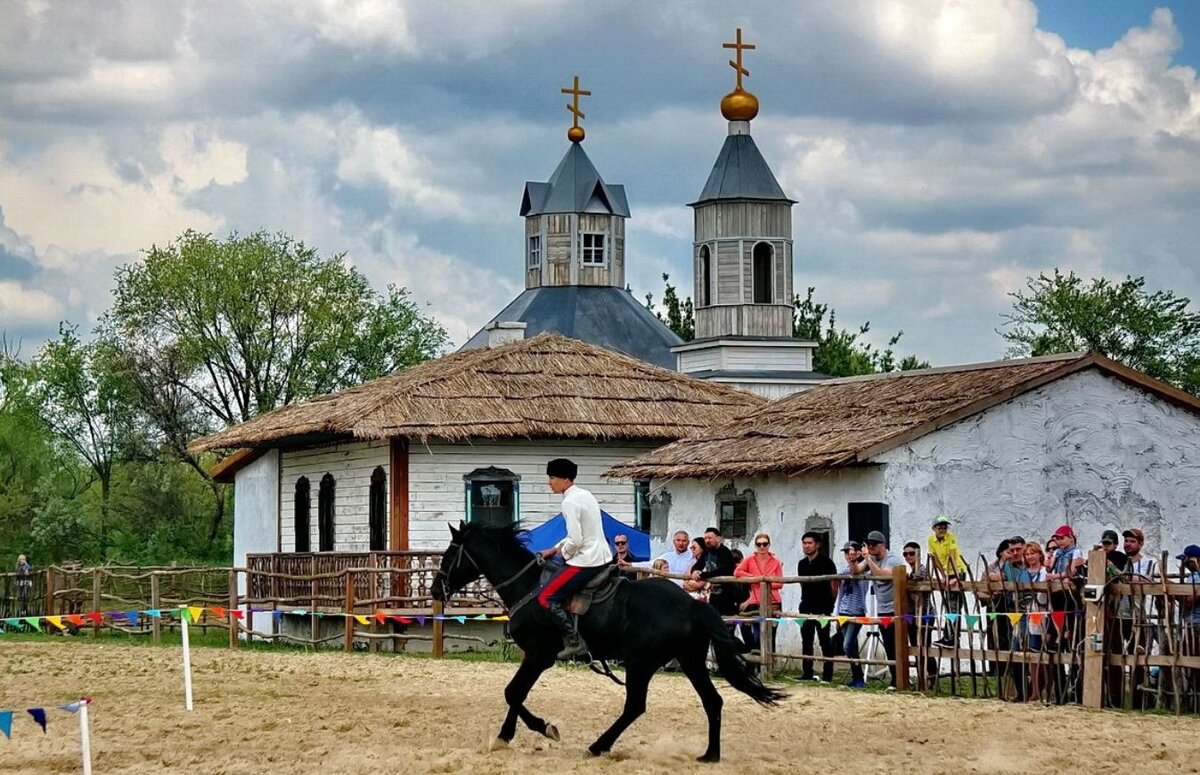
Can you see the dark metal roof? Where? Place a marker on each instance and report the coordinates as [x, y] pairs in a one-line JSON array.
[[609, 317], [575, 187], [758, 374], [741, 172]]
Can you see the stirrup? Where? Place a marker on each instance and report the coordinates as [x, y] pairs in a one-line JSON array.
[[572, 647]]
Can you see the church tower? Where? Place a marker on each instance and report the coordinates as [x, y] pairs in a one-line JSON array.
[[574, 263], [742, 258]]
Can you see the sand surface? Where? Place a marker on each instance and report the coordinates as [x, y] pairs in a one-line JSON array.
[[292, 712]]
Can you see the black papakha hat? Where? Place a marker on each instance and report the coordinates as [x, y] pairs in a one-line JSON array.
[[562, 468]]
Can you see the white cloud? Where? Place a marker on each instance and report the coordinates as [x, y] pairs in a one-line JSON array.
[[21, 305]]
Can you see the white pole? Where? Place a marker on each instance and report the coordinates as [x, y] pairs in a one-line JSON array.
[[187, 660], [84, 741]]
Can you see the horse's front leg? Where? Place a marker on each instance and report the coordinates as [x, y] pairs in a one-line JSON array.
[[637, 683], [532, 667]]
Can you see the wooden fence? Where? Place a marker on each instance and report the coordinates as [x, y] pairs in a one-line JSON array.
[[1129, 645]]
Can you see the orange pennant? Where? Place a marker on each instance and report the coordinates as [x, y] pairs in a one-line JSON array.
[[217, 610]]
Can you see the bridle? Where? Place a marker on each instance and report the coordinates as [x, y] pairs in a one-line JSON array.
[[462, 552]]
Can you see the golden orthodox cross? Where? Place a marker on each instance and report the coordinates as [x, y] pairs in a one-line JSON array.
[[574, 106], [737, 65]]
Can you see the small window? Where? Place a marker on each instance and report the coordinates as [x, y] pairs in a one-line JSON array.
[[302, 508], [535, 252], [764, 270], [493, 497], [733, 518], [325, 513], [705, 276], [593, 249], [641, 506], [378, 509]]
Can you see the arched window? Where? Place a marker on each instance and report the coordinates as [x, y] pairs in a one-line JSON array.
[[705, 277], [325, 514], [378, 509], [302, 506], [764, 270]]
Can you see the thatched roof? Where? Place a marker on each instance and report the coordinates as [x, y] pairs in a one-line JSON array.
[[547, 386], [847, 422]]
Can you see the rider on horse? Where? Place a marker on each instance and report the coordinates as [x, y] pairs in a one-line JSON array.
[[584, 549]]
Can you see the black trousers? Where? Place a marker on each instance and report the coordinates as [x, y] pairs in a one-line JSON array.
[[809, 628], [887, 633]]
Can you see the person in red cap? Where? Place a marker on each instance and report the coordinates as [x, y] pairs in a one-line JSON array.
[[1069, 557], [1068, 561]]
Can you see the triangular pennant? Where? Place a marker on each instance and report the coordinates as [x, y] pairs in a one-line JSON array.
[[156, 613], [863, 619], [73, 707], [380, 617], [402, 619], [299, 612], [1015, 618], [972, 621], [360, 618], [841, 620], [460, 619], [421, 621], [952, 618], [194, 613], [992, 615], [6, 723], [39, 715], [56, 621], [237, 613], [823, 621], [277, 615], [95, 617], [217, 611], [503, 618], [1059, 618], [33, 622], [885, 621], [481, 618], [1036, 618], [927, 618], [75, 619], [12, 622], [132, 618]]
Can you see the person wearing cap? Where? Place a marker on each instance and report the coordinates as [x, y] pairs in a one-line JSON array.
[[1069, 558], [878, 561], [851, 602], [1135, 612], [584, 549], [1067, 563], [951, 567]]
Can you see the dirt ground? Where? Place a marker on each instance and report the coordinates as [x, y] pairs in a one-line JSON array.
[[284, 712]]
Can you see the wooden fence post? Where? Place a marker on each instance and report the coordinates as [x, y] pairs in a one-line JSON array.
[[233, 605], [900, 625], [349, 610], [96, 601], [314, 620], [155, 599], [1093, 639], [438, 629], [766, 630], [50, 591]]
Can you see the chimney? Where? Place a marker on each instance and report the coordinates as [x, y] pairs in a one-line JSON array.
[[501, 333]]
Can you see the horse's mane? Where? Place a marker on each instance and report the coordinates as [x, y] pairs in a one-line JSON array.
[[506, 537]]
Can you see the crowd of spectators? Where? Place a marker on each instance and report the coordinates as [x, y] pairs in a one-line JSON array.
[[828, 601]]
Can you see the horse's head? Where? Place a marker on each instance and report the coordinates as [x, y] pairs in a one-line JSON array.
[[458, 568]]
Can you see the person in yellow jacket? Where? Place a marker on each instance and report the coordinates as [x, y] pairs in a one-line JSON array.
[[950, 566]]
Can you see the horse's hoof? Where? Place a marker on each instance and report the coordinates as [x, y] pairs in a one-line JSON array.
[[709, 758], [594, 751], [552, 733], [498, 744]]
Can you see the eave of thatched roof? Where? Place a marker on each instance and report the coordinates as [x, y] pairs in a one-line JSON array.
[[547, 386], [849, 422]]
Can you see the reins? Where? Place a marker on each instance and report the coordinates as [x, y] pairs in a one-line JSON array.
[[462, 552]]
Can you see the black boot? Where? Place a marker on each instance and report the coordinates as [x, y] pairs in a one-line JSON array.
[[573, 645]]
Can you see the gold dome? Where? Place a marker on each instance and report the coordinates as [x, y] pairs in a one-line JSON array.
[[575, 134], [739, 105]]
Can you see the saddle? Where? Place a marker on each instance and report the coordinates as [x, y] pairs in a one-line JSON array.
[[596, 591]]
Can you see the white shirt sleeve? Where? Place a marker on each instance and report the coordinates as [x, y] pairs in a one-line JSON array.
[[574, 538]]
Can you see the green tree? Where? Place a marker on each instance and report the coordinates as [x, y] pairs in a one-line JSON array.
[[680, 316], [1156, 333], [840, 352]]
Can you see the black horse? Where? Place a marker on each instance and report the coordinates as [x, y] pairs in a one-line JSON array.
[[646, 624]]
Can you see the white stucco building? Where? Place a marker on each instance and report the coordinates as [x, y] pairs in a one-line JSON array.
[[1004, 448]]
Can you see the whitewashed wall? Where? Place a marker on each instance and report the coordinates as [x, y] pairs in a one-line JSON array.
[[436, 494], [351, 465], [436, 490], [1087, 449], [255, 505]]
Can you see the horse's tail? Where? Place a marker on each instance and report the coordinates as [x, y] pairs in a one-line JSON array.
[[730, 661]]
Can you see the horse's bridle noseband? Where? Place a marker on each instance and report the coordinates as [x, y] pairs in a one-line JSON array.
[[462, 552]]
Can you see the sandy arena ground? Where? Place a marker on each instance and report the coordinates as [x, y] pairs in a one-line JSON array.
[[281, 712]]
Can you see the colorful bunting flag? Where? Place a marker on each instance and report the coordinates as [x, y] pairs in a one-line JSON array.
[[972, 621], [33, 622], [361, 619], [39, 715], [6, 723], [1015, 618], [56, 621], [217, 610], [194, 613]]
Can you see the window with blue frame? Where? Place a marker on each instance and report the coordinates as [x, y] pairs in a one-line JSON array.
[[493, 497]]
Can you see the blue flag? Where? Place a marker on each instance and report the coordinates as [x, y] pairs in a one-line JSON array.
[[6, 723], [39, 715]]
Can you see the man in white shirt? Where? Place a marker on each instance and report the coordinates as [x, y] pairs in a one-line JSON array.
[[680, 559], [584, 549]]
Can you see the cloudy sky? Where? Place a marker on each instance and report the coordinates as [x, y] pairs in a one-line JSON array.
[[940, 150]]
